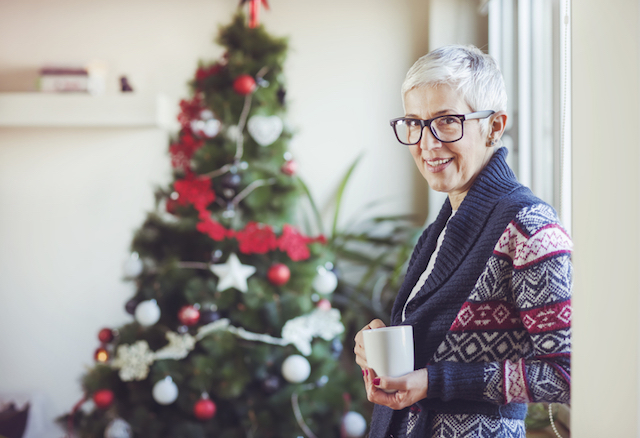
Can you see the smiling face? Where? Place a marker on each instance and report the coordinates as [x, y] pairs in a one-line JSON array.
[[447, 167]]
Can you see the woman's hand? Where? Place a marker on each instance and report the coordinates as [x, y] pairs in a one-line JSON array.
[[409, 388], [361, 358]]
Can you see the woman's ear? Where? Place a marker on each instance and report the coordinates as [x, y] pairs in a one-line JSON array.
[[497, 125]]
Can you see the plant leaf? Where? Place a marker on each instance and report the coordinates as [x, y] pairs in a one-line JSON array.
[[314, 207], [341, 187]]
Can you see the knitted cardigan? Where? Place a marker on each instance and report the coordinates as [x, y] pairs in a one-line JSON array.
[[492, 321]]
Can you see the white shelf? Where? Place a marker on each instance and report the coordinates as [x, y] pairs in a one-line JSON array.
[[85, 111]]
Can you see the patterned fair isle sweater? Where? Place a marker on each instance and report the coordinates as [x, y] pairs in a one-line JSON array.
[[492, 323]]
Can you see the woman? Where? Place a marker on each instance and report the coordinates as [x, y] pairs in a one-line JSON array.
[[488, 286]]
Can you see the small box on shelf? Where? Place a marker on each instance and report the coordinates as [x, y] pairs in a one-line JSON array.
[[63, 80]]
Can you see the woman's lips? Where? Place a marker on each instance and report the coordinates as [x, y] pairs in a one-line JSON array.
[[438, 164]]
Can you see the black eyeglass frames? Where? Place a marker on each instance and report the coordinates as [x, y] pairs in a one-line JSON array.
[[447, 128]]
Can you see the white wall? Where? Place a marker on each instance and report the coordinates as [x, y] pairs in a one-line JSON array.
[[457, 22], [71, 199], [345, 68], [453, 22], [606, 215]]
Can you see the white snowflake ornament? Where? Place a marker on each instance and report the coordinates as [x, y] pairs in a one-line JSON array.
[[322, 323], [178, 348], [133, 361]]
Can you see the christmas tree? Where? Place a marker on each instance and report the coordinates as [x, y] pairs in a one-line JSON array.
[[234, 331]]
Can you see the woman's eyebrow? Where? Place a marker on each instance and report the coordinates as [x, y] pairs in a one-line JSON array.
[[445, 111], [436, 114]]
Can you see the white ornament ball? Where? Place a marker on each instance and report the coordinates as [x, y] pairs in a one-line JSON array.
[[133, 266], [206, 128], [147, 313], [296, 369], [325, 282], [206, 114], [118, 428], [165, 391], [354, 424]]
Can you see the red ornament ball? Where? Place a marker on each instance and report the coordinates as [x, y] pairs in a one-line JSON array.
[[204, 409], [103, 398], [101, 355], [105, 335], [324, 304], [189, 315], [278, 274], [244, 84], [290, 167], [171, 206]]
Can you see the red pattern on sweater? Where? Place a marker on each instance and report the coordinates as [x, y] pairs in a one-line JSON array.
[[548, 318], [489, 315], [524, 250]]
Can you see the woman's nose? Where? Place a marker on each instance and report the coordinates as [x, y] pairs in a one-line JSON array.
[[428, 140]]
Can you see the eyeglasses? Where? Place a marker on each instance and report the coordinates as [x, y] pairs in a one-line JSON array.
[[447, 128]]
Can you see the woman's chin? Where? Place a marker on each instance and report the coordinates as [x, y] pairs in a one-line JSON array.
[[438, 186]]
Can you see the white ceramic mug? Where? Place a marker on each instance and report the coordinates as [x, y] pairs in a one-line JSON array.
[[389, 350]]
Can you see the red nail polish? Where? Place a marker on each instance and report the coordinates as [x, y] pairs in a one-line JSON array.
[[366, 372], [376, 381], [363, 372]]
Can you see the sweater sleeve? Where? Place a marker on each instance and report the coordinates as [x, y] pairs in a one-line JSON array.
[[541, 287], [532, 363]]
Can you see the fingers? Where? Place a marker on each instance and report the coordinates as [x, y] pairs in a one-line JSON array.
[[369, 376], [397, 392], [376, 323], [395, 384], [391, 383], [358, 349], [377, 395]]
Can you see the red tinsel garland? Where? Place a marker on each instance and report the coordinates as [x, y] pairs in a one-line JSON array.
[[182, 150], [211, 228], [256, 239], [203, 73], [196, 191], [294, 243], [179, 159], [190, 110]]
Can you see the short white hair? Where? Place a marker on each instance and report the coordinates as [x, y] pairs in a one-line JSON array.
[[467, 69]]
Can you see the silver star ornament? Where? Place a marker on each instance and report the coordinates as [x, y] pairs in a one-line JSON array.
[[233, 274]]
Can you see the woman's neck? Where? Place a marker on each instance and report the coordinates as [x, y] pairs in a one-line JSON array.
[[456, 199]]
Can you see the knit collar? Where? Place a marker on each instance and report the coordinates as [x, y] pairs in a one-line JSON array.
[[494, 182]]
